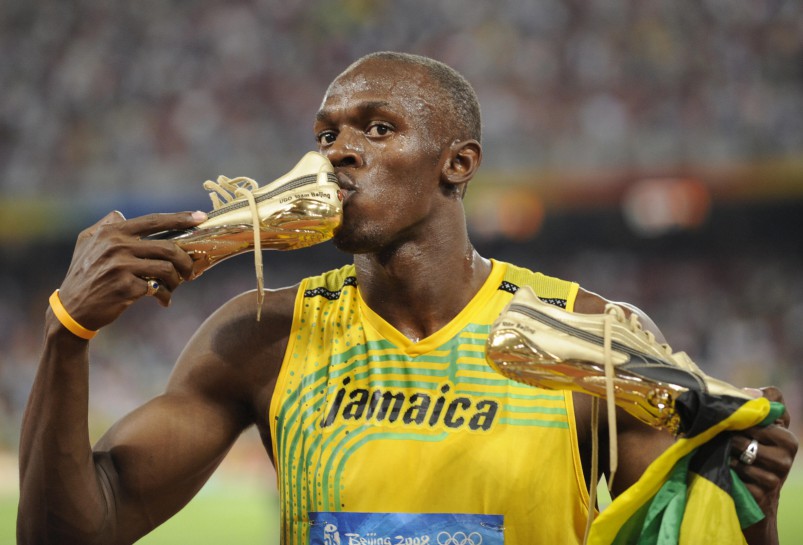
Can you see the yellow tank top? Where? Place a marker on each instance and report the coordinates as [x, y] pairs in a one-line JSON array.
[[365, 420]]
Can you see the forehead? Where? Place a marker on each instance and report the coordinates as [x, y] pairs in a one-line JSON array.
[[403, 87]]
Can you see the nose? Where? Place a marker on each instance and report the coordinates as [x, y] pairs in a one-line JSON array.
[[344, 151]]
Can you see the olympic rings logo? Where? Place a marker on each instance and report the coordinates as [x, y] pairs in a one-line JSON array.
[[459, 538]]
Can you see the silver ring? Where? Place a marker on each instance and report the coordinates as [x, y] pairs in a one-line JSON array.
[[153, 286], [748, 457]]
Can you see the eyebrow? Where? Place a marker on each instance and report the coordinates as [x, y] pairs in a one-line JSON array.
[[362, 108]]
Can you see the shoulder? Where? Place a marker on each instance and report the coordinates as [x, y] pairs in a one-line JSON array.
[[234, 357], [551, 289]]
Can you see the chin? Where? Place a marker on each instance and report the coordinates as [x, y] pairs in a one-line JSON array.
[[346, 243], [353, 242], [353, 249]]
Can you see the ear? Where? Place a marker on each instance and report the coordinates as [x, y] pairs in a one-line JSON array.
[[463, 160]]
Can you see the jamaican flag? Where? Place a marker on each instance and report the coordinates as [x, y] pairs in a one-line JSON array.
[[689, 494]]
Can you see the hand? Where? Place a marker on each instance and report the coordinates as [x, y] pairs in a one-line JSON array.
[[777, 447], [111, 263]]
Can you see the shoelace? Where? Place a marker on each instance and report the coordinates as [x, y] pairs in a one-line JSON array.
[[613, 313], [222, 193]]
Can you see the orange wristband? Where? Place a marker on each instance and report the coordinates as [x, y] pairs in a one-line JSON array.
[[66, 320]]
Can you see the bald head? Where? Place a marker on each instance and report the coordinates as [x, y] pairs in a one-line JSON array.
[[453, 92]]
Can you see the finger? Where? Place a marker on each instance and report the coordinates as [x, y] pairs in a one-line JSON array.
[[162, 293], [166, 251], [763, 485], [768, 435], [164, 297], [114, 216], [162, 271], [768, 458], [776, 450], [739, 447], [774, 394], [154, 223]]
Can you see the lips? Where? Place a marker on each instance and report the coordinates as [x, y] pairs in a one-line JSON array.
[[346, 186]]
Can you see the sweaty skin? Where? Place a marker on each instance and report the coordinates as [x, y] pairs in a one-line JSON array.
[[403, 169]]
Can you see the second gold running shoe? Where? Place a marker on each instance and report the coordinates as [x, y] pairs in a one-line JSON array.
[[546, 346]]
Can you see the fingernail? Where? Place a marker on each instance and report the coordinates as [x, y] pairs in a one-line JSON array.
[[755, 392], [199, 216]]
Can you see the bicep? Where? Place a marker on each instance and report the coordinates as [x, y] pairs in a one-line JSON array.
[[155, 459], [638, 446]]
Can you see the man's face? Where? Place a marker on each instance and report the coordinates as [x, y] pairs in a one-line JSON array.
[[383, 132]]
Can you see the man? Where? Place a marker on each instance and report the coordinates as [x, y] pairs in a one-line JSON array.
[[366, 383]]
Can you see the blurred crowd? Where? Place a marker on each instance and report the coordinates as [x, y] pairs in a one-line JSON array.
[[150, 98], [132, 105]]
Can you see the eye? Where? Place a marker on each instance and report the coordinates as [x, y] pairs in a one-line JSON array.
[[324, 138], [379, 129]]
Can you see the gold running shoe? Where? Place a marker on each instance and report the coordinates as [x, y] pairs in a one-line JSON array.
[[607, 355], [297, 210]]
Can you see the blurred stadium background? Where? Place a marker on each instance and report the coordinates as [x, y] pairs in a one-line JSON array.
[[652, 151]]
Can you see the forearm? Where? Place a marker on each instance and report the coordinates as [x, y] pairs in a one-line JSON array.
[[62, 497]]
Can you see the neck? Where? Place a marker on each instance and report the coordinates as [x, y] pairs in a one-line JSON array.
[[419, 291]]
